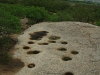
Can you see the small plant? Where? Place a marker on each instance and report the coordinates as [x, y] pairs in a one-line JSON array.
[[30, 22], [6, 43], [53, 18], [15, 10], [64, 16], [9, 23], [36, 14], [98, 23]]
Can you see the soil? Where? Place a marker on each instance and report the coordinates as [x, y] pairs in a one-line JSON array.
[[13, 67]]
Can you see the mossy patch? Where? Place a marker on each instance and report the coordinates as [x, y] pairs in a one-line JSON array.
[[54, 37]]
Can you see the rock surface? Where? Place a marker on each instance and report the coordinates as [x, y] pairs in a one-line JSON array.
[[59, 48]]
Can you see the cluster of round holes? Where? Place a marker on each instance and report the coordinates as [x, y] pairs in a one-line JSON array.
[[35, 36], [26, 47], [30, 42], [31, 65], [66, 58], [43, 43], [38, 36], [74, 52], [68, 73], [33, 52], [63, 42], [62, 49]]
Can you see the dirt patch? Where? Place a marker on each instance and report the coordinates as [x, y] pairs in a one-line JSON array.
[[15, 63], [13, 67], [14, 36]]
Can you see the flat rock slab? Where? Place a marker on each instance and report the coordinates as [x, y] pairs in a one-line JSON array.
[[59, 48]]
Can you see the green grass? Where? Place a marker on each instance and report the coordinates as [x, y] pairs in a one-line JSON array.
[[5, 57], [6, 43]]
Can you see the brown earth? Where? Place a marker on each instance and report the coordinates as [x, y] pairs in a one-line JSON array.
[[13, 67]]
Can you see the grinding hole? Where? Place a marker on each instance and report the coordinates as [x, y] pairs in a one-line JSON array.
[[52, 41], [63, 42], [31, 65], [62, 49], [41, 33], [30, 42], [43, 43], [38, 35], [35, 37], [33, 52], [26, 47], [54, 38], [74, 52], [68, 73], [66, 58]]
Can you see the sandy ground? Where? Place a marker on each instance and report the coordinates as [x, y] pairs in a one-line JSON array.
[[5, 70]]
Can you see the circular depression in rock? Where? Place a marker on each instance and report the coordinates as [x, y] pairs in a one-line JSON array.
[[42, 43], [32, 65], [64, 42], [26, 47], [74, 52], [33, 52], [30, 42], [38, 35], [62, 49], [68, 73], [66, 58]]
